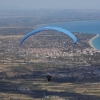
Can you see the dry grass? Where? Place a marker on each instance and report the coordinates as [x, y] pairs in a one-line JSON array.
[[8, 96], [11, 36]]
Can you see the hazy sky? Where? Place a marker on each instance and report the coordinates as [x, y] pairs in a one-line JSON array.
[[50, 4]]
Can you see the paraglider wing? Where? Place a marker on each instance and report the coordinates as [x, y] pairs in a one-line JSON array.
[[48, 28]]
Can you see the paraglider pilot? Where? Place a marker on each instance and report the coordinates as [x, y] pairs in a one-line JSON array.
[[49, 77]]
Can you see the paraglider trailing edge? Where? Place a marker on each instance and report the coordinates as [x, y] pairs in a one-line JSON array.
[[49, 28]]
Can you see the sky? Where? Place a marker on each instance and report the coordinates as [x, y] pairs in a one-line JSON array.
[[49, 4]]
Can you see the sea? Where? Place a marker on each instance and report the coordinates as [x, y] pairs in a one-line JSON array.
[[85, 27]]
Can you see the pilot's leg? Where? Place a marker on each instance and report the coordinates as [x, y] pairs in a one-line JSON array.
[[49, 78]]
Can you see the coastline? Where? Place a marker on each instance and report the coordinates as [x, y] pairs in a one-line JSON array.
[[90, 41], [65, 22]]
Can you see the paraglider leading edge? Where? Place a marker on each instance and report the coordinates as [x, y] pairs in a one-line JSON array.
[[49, 28]]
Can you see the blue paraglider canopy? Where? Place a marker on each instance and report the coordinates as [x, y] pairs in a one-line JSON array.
[[49, 28]]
